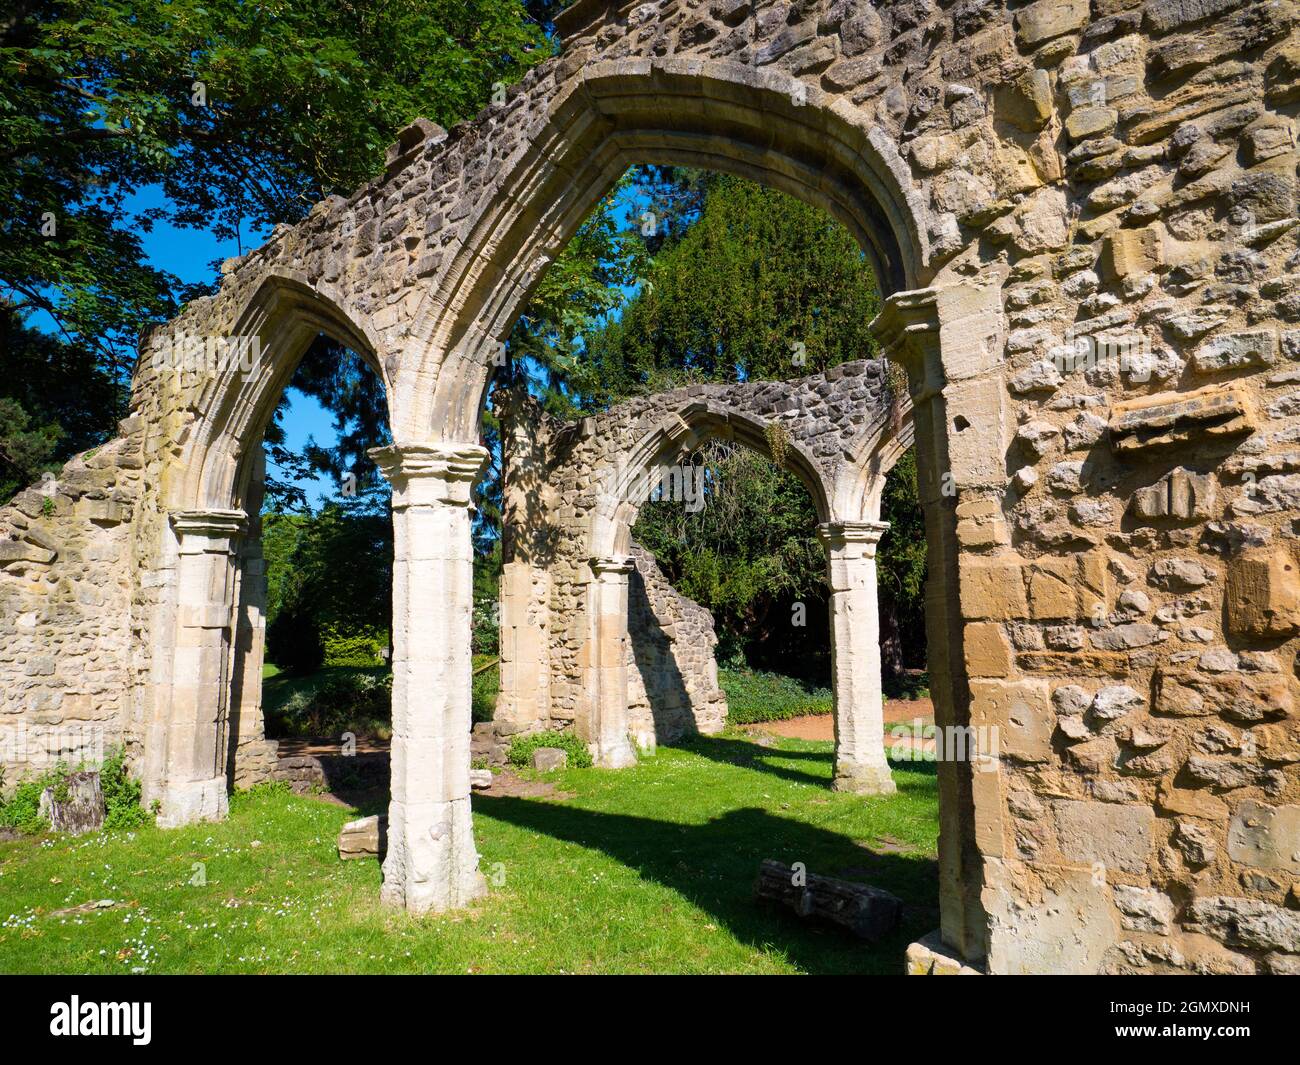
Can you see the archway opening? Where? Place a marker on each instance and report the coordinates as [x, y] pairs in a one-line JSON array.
[[710, 409], [326, 544]]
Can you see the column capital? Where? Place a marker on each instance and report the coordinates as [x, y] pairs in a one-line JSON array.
[[613, 565], [838, 535], [212, 526], [427, 473], [907, 324]]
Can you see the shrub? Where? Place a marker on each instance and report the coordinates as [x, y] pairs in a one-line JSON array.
[[485, 687], [122, 794], [487, 628], [754, 697], [343, 701], [21, 810], [345, 648], [522, 748]]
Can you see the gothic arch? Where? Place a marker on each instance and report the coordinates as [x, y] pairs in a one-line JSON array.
[[765, 125]]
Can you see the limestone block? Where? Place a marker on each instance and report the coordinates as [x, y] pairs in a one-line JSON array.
[[1245, 922], [1131, 252], [1118, 836], [993, 588], [1144, 909], [1027, 102], [1242, 697], [1263, 593], [21, 551], [363, 838], [1236, 351], [1048, 18], [1177, 419], [1067, 927], [988, 654], [1191, 803], [1266, 837], [932, 957], [1020, 711]]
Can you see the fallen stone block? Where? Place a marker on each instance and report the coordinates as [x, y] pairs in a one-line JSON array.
[[366, 837], [549, 759], [868, 912]]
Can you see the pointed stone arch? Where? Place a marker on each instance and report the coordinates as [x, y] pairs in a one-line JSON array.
[[765, 125]]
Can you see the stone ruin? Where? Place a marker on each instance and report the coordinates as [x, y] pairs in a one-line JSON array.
[[623, 657], [1083, 218]]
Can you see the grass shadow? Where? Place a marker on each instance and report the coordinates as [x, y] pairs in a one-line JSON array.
[[713, 865]]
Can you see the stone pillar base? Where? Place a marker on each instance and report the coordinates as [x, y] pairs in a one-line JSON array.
[[932, 957], [192, 800], [617, 757], [431, 865], [864, 780]]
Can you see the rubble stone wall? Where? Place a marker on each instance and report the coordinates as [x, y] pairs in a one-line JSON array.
[[672, 688]]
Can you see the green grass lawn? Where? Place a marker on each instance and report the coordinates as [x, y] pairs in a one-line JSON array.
[[648, 869]]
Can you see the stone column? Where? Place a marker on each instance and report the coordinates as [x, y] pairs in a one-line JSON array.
[[192, 785], [860, 763], [608, 731], [431, 863], [252, 757]]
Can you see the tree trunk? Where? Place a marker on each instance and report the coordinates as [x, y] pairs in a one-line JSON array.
[[891, 643]]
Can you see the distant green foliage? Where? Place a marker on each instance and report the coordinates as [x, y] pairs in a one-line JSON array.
[[332, 702], [758, 286], [753, 697], [244, 115], [356, 648], [21, 810], [487, 611], [522, 748], [329, 588], [748, 556], [901, 571], [485, 688]]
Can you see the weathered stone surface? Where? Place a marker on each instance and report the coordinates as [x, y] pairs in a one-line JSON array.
[[1245, 922], [1144, 909], [1267, 837], [1178, 419], [76, 808], [1263, 593], [1180, 494], [549, 759], [363, 838], [931, 957], [1119, 837], [1240, 697], [1122, 177]]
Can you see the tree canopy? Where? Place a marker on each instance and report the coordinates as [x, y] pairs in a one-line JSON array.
[[233, 116]]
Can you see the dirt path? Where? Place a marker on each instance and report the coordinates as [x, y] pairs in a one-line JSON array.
[[822, 726]]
